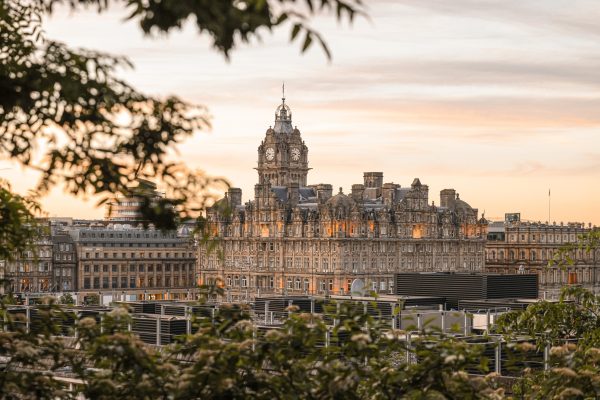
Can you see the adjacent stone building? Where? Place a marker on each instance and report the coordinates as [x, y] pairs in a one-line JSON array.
[[64, 264], [293, 237], [516, 246], [31, 271], [125, 260]]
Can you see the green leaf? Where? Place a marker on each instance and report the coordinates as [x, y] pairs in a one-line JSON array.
[[295, 30], [307, 41]]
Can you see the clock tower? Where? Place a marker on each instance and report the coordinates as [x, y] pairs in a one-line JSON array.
[[282, 155]]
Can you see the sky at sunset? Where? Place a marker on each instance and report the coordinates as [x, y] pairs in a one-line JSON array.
[[499, 100]]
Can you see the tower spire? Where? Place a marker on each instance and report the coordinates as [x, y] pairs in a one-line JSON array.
[[283, 92]]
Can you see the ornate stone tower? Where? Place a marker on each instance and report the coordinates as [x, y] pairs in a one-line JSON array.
[[282, 155]]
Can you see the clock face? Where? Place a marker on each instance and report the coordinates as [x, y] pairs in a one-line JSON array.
[[270, 154], [295, 154]]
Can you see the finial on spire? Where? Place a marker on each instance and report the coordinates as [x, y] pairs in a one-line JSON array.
[[283, 92]]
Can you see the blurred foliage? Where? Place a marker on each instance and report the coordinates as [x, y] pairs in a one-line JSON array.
[[228, 357], [229, 22], [569, 331], [575, 316], [18, 227], [66, 298]]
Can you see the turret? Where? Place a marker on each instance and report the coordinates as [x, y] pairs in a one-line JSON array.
[[447, 198], [388, 193], [235, 197], [358, 191], [324, 192]]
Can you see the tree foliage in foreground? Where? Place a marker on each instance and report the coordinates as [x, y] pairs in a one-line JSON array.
[[229, 358], [18, 226]]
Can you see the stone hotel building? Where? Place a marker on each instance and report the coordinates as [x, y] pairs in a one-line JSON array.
[[295, 238]]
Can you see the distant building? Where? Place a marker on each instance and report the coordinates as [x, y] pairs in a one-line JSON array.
[[126, 209], [514, 246], [151, 264], [117, 261], [299, 238]]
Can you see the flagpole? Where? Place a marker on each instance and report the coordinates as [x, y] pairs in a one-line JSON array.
[[549, 207]]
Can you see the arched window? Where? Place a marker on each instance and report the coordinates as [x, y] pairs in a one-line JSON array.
[[533, 255], [522, 254], [512, 255]]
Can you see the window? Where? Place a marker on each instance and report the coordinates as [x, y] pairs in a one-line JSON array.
[[86, 283]]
